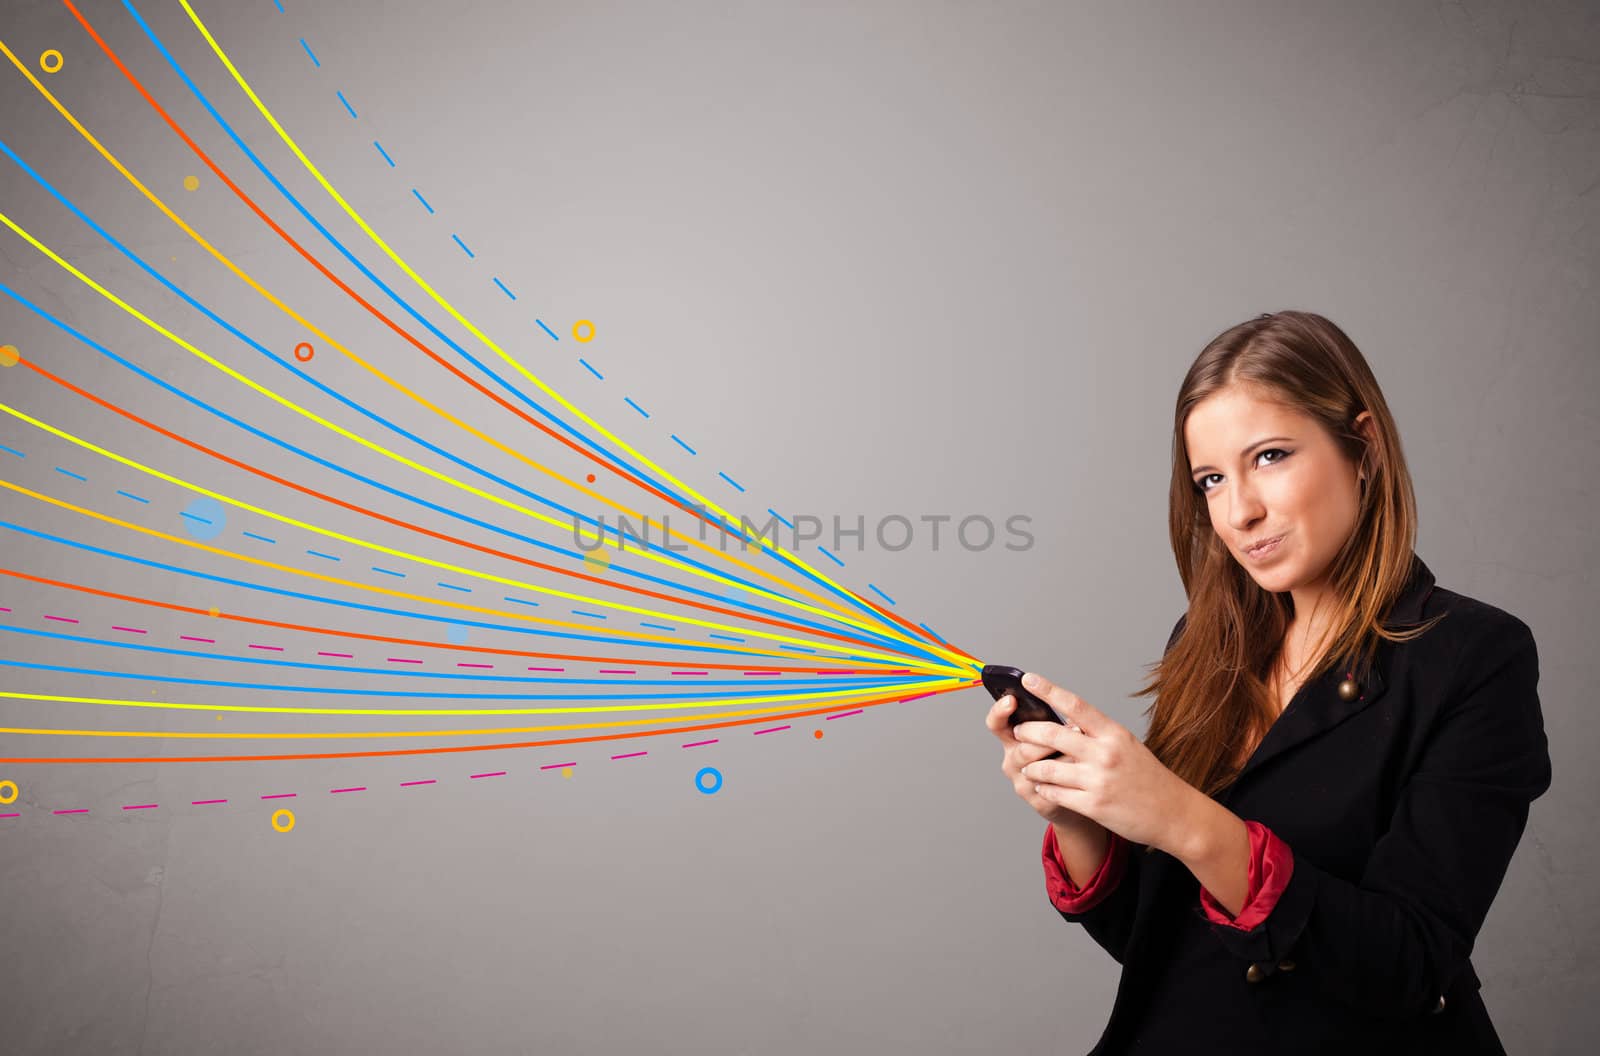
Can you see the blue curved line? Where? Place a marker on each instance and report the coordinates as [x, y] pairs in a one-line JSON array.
[[327, 235]]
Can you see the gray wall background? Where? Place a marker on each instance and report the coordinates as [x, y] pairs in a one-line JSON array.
[[906, 258]]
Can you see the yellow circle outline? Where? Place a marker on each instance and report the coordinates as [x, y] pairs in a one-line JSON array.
[[275, 825], [15, 792], [44, 61], [583, 322]]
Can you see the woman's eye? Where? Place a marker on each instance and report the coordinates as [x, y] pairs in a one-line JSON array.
[[1200, 483]]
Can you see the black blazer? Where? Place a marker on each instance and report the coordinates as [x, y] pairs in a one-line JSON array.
[[1402, 808]]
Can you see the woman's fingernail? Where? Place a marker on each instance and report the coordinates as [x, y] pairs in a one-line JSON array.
[[1031, 680]]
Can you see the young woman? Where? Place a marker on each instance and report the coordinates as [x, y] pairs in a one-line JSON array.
[[1340, 757]]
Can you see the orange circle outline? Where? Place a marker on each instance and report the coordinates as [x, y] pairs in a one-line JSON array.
[[310, 352]]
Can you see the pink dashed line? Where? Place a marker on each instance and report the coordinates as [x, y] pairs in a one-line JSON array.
[[697, 744], [192, 638], [142, 806], [546, 669], [630, 755], [282, 795], [616, 671], [130, 630], [61, 619], [486, 667], [554, 766], [274, 648], [772, 729], [4, 609], [205, 802], [845, 714], [689, 672], [919, 696], [408, 784], [10, 815], [497, 773], [332, 791], [402, 660], [80, 810], [748, 673], [342, 656]]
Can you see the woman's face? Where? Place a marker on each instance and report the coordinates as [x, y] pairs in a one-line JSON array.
[[1270, 472]]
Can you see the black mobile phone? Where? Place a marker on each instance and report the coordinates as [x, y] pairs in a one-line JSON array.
[[1000, 680]]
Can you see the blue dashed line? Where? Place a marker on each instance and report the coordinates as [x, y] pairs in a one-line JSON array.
[[325, 557], [69, 473], [279, 5], [586, 365], [452, 586], [387, 572], [796, 648], [725, 637], [195, 517], [657, 626], [931, 631], [580, 612], [135, 498], [263, 538], [12, 450], [520, 601]]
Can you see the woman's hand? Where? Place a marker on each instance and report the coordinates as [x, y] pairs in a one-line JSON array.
[[1018, 754], [1105, 773]]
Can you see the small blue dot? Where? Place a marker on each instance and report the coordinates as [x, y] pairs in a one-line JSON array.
[[204, 518]]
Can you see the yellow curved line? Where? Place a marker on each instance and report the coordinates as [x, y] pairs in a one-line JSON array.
[[792, 701], [836, 611], [789, 706], [932, 644], [288, 403], [527, 618]]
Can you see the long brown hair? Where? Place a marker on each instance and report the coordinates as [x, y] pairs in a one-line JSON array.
[[1211, 686]]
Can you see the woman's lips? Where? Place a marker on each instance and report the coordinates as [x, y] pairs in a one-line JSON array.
[[1269, 547]]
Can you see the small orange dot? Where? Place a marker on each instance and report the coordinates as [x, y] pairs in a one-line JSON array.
[[591, 478], [817, 734]]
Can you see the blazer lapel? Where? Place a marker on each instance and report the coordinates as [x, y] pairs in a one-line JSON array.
[[1317, 707]]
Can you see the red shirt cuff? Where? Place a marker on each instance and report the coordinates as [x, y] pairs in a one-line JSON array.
[[1271, 863], [1067, 896]]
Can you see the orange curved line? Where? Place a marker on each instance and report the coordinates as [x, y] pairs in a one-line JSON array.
[[872, 703]]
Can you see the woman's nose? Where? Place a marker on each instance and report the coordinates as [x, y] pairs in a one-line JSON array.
[[1244, 506]]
